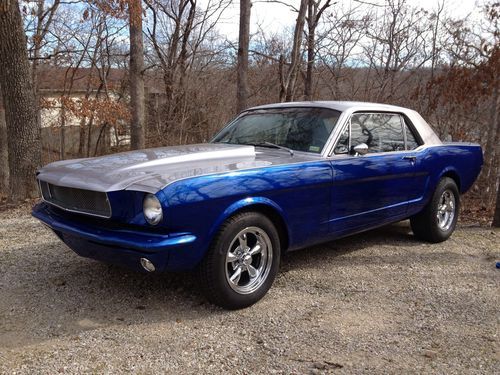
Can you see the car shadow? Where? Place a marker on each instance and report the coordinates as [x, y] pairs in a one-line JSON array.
[[49, 291], [395, 235]]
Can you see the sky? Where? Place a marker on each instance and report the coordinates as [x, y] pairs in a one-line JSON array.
[[275, 18]]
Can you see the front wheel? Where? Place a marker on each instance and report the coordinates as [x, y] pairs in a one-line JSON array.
[[438, 219], [242, 262]]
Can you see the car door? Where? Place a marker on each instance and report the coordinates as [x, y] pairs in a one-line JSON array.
[[371, 189]]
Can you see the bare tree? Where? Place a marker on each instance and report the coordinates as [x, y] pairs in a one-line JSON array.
[[137, 103], [288, 79], [491, 70], [4, 155], [437, 19], [496, 216], [43, 21], [343, 31], [173, 59], [314, 12], [398, 42], [20, 107], [185, 47], [242, 68], [474, 81], [490, 173]]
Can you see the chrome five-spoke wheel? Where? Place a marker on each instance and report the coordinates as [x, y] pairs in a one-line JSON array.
[[242, 262], [248, 260], [437, 221], [446, 210]]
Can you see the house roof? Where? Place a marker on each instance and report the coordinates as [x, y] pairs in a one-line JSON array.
[[53, 78], [59, 79]]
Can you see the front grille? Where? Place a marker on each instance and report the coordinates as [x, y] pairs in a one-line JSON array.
[[76, 200]]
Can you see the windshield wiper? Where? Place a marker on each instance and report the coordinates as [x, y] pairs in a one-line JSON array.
[[269, 144]]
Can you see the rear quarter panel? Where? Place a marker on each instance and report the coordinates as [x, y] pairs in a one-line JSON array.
[[461, 161]]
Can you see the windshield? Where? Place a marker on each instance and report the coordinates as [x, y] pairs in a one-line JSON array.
[[300, 129]]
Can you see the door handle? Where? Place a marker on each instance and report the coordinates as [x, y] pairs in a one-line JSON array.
[[411, 158]]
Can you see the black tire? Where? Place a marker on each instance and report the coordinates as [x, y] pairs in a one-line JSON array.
[[426, 225], [218, 267]]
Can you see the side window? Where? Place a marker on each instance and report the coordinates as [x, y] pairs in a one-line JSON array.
[[411, 140], [361, 131], [382, 132], [391, 133]]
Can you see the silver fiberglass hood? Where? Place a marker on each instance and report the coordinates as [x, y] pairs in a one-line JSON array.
[[149, 170]]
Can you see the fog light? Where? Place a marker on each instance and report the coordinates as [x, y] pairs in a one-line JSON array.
[[147, 265]]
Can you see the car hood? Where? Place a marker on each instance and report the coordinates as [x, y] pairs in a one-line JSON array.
[[152, 169]]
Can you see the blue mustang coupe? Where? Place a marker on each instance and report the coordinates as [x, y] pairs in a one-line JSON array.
[[277, 178]]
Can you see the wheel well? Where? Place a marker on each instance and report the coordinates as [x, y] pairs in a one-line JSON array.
[[274, 216], [454, 176]]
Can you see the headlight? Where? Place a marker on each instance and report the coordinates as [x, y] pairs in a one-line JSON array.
[[152, 209]]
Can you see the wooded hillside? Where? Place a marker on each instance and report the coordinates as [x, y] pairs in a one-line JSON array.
[[181, 79]]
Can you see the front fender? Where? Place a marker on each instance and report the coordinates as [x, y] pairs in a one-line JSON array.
[[248, 203]]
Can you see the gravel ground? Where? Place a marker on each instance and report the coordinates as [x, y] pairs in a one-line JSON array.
[[380, 302]]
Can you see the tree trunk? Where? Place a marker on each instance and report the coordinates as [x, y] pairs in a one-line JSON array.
[[62, 150], [496, 216], [244, 40], [314, 12], [496, 166], [4, 155], [489, 172], [37, 40], [311, 30], [44, 16], [81, 138], [293, 72], [137, 103], [282, 78], [20, 107], [89, 134]]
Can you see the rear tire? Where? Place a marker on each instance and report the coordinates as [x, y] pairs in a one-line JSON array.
[[437, 221], [242, 262]]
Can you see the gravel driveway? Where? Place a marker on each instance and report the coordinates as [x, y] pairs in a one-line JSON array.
[[379, 302]]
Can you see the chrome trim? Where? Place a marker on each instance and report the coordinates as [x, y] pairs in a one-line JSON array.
[[423, 130], [249, 260], [446, 210], [360, 149], [40, 189], [344, 120], [147, 265], [403, 127]]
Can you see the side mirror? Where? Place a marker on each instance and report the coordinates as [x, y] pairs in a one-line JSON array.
[[361, 149]]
